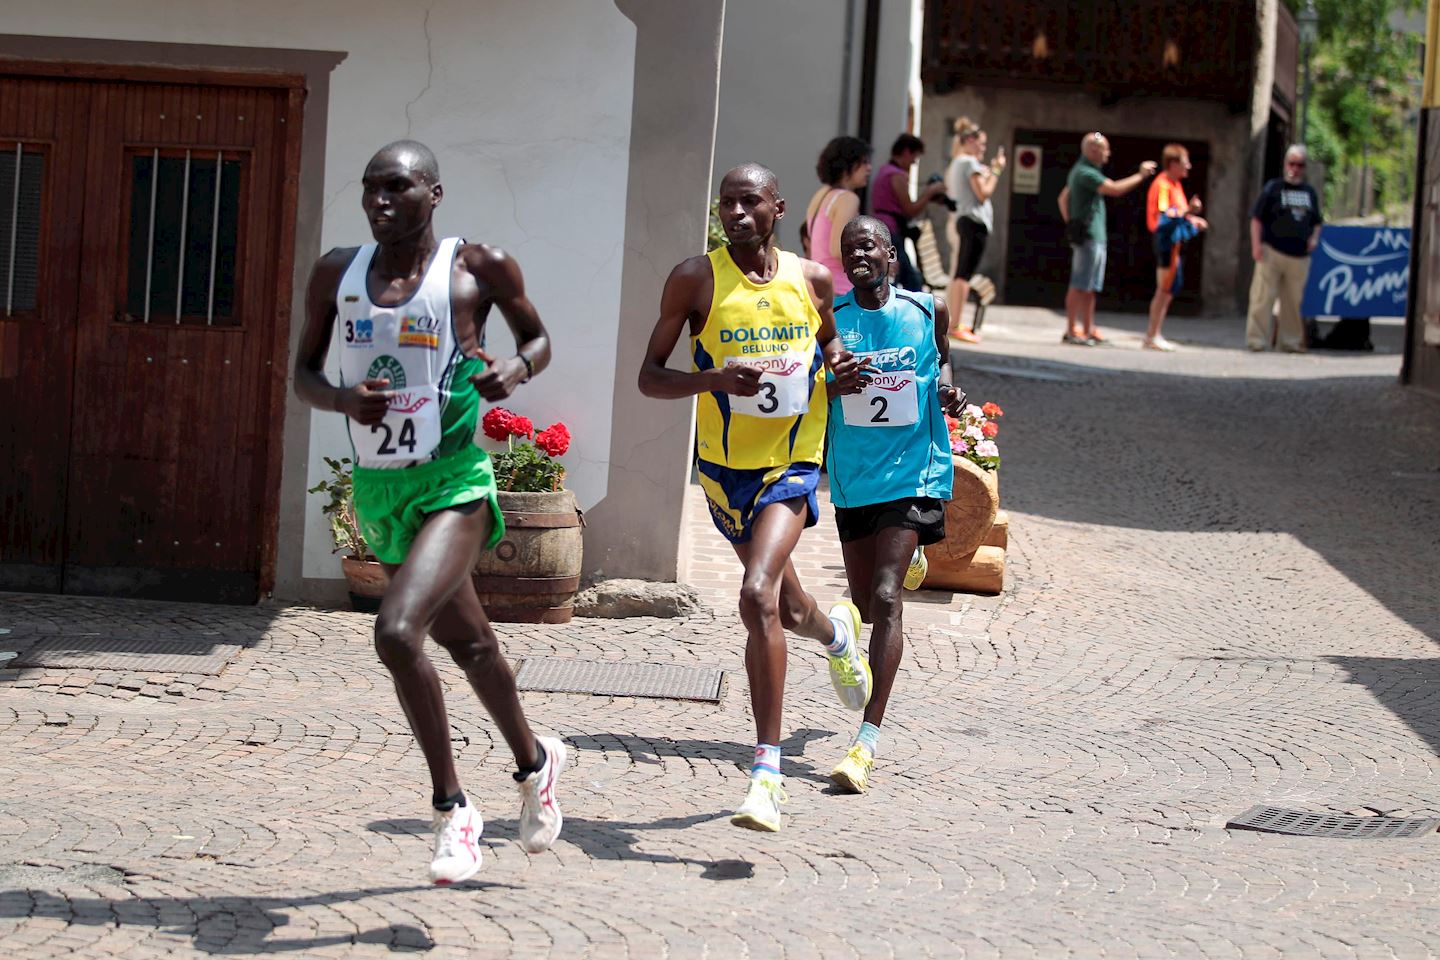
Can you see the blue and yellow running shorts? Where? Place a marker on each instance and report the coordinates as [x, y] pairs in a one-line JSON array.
[[736, 497], [392, 505]]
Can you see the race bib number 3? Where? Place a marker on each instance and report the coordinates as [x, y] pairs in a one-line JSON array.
[[785, 386], [890, 400], [410, 430]]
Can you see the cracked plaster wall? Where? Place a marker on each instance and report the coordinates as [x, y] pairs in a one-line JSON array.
[[782, 89], [529, 108]]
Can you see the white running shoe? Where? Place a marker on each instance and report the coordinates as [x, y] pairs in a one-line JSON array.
[[919, 567], [457, 844], [850, 675], [761, 809], [540, 817]]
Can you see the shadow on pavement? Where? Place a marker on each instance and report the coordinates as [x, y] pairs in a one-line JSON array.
[[1349, 466], [599, 839], [57, 633], [221, 925], [1410, 689]]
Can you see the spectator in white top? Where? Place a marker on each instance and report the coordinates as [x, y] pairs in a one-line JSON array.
[[970, 182]]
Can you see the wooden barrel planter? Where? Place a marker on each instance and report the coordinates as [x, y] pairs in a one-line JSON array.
[[969, 515], [533, 573]]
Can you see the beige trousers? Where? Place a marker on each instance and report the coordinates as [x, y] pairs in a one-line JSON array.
[[1277, 275]]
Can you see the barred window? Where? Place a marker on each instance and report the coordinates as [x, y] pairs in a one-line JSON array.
[[184, 233], [22, 181]]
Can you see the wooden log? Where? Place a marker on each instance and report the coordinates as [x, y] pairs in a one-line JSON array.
[[986, 572], [999, 535]]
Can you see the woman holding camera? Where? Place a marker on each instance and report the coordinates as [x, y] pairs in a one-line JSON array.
[[843, 168], [971, 183]]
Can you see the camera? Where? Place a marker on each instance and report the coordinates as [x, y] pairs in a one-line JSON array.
[[942, 198]]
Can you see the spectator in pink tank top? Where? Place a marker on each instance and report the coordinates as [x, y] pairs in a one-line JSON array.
[[843, 168]]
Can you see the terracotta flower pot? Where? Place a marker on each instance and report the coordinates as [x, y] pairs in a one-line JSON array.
[[533, 573], [367, 581], [974, 501]]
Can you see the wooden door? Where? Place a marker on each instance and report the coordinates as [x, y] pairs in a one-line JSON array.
[[145, 247], [42, 183], [174, 358]]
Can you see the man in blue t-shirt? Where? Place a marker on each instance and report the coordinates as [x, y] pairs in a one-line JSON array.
[[888, 455], [1284, 230]]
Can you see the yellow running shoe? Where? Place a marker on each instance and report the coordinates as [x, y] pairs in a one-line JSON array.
[[761, 809], [853, 773], [919, 566], [850, 675]]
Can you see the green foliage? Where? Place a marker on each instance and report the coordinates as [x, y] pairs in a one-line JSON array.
[[1364, 76], [715, 233], [340, 509], [524, 468]]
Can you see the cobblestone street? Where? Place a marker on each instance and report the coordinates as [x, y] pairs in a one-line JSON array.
[[1222, 591]]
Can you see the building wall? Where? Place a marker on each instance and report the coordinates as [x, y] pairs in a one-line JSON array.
[[1422, 352], [784, 93], [1002, 111], [540, 115]]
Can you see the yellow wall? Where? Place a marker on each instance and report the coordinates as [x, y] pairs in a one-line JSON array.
[[1432, 55]]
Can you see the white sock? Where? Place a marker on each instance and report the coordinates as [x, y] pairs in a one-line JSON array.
[[840, 645]]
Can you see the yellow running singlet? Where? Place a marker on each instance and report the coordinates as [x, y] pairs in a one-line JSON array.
[[771, 326]]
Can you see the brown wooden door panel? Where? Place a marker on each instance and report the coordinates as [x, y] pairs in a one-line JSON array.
[[48, 118], [168, 468]]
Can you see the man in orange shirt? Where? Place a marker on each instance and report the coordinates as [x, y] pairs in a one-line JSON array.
[[1172, 220]]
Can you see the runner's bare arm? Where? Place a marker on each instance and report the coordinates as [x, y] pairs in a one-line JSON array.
[[365, 402], [848, 373], [1063, 202], [497, 273], [680, 304], [952, 398]]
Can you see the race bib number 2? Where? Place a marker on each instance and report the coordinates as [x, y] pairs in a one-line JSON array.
[[891, 399], [410, 430], [785, 385]]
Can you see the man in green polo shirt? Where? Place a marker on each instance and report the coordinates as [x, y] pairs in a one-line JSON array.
[[1082, 206]]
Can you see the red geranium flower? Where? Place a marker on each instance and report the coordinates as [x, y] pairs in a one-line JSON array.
[[497, 423], [554, 439], [521, 426], [990, 429], [992, 410]]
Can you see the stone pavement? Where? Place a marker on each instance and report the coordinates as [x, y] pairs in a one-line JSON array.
[[1223, 580]]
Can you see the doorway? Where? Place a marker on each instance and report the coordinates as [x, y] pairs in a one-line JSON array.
[[143, 262]]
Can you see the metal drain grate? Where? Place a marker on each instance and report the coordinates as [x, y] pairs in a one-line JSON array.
[[1304, 823], [661, 680], [128, 653]]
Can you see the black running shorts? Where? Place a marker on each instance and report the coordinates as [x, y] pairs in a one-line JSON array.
[[924, 515]]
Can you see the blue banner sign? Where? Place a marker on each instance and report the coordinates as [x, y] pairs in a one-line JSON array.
[[1358, 272]]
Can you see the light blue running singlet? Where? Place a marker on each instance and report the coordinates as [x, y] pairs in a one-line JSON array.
[[889, 442]]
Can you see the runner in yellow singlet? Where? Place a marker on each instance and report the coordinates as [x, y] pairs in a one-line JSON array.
[[761, 335]]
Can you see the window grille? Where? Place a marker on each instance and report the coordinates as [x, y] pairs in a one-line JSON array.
[[184, 233], [22, 182]]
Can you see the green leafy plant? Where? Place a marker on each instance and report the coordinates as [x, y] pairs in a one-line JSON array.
[[527, 464], [340, 509], [714, 232]]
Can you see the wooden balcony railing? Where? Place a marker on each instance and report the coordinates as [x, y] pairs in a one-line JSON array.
[[1114, 48]]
